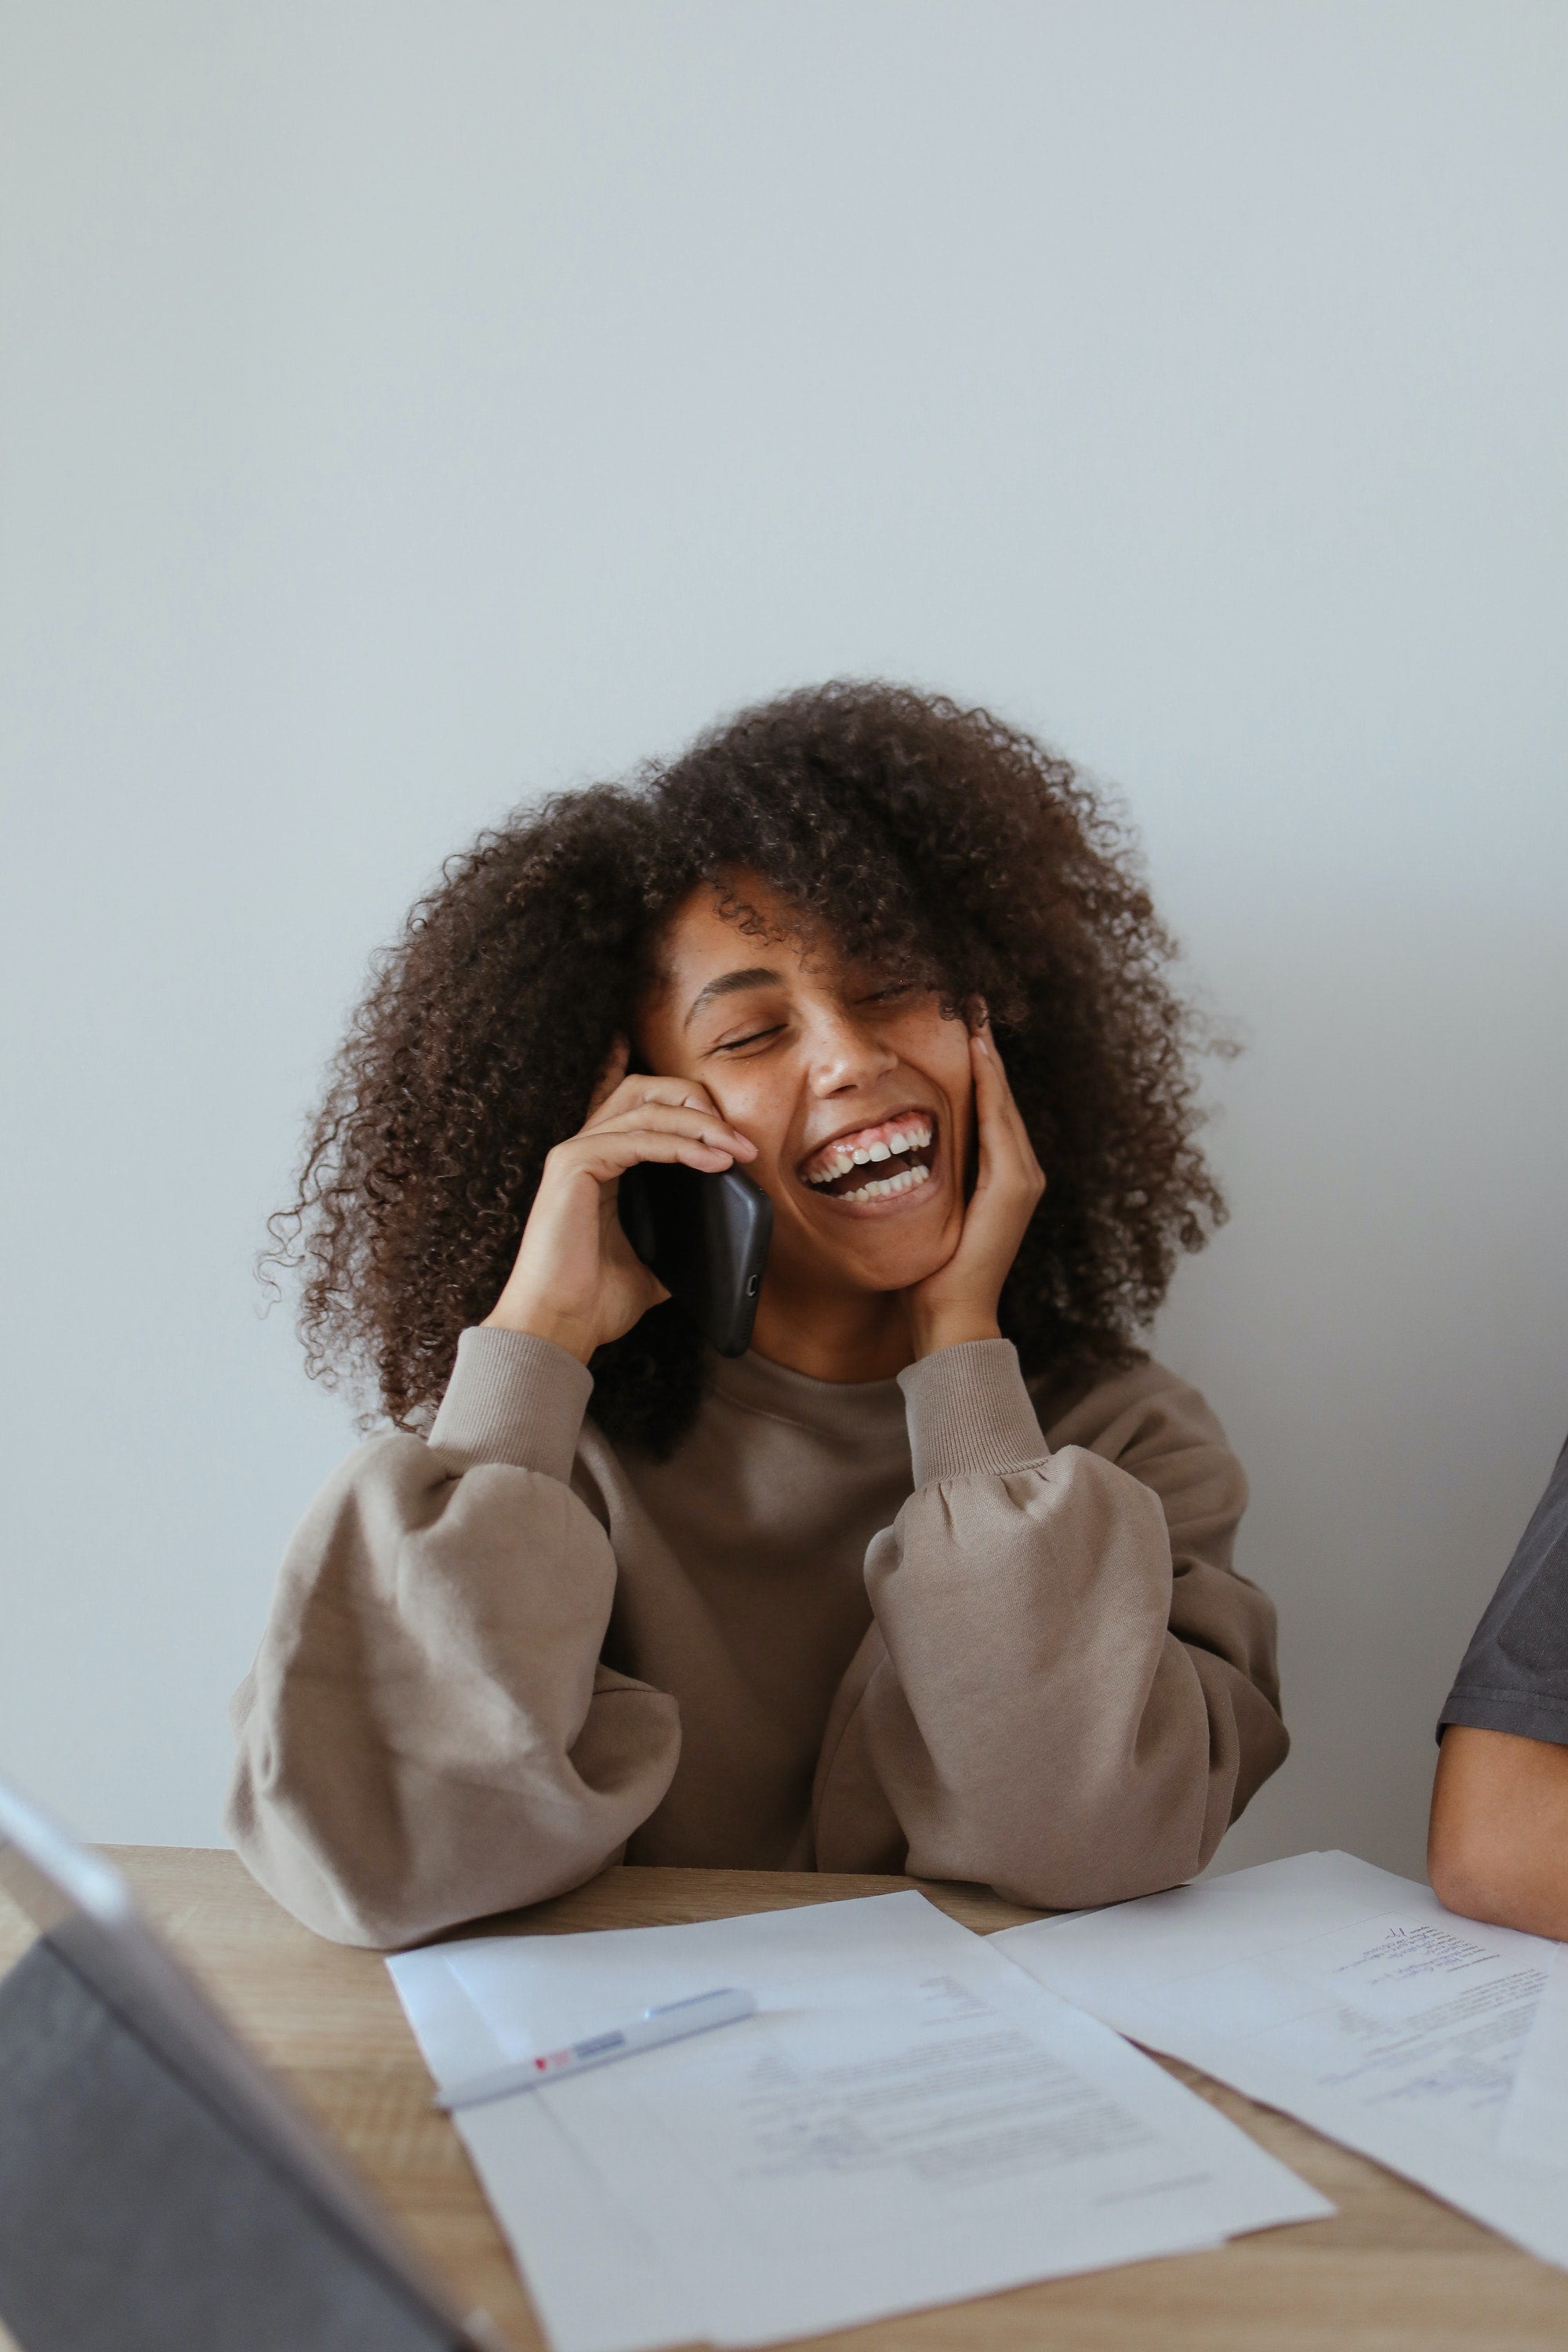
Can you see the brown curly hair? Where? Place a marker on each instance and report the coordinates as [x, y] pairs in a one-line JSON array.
[[932, 842]]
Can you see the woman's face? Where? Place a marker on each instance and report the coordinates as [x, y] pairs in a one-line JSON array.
[[858, 1094]]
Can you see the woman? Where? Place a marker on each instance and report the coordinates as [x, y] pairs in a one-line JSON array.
[[937, 1577]]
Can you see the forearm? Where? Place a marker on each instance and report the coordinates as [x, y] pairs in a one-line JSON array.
[[429, 1733], [369, 1845], [1037, 1721], [1041, 1728], [1497, 1847]]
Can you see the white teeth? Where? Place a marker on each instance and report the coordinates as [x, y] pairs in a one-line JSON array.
[[884, 1188], [914, 1138]]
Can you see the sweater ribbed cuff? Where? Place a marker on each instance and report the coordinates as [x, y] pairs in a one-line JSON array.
[[969, 1411], [512, 1398]]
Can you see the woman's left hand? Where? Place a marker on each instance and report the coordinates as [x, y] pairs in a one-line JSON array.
[[959, 1301]]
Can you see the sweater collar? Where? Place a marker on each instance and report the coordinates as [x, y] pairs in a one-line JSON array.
[[870, 1412]]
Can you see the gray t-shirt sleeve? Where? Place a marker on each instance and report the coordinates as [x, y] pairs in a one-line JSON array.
[[1514, 1676]]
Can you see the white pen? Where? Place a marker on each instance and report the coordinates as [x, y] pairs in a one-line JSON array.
[[673, 2022]]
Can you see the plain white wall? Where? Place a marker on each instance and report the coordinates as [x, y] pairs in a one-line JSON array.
[[410, 408]]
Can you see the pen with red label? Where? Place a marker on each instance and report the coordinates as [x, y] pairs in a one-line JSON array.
[[673, 2022]]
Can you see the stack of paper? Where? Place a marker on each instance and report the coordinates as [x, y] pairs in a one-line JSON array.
[[1351, 1999], [907, 2120], [1535, 2121]]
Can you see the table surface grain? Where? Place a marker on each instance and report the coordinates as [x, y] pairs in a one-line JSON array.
[[1393, 2271]]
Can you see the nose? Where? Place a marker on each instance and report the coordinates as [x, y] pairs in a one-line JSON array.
[[845, 1055]]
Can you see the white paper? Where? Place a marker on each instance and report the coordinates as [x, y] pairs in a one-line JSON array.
[[907, 2120], [1535, 2120], [1343, 1995]]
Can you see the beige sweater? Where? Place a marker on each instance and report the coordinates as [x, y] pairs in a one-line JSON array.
[[873, 1628]]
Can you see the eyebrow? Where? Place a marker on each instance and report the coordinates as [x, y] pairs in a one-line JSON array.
[[730, 983]]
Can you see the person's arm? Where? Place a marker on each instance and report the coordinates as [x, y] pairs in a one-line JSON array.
[[428, 1735], [1497, 1846], [1068, 1694]]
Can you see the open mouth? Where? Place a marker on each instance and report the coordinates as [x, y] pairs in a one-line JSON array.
[[875, 1163]]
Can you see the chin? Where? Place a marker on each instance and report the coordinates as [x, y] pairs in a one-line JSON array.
[[899, 1262]]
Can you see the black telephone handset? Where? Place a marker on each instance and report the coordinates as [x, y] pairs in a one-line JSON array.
[[706, 1237]]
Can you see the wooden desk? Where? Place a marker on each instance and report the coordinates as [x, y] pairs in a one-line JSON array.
[[1394, 2271]]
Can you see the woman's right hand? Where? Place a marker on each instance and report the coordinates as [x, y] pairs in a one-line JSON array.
[[577, 1280]]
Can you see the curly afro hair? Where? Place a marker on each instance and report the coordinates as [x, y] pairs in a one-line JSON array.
[[934, 841]]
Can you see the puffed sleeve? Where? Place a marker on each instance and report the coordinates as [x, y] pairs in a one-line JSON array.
[[1067, 1692], [427, 1734]]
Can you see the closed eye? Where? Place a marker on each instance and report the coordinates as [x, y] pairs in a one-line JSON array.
[[752, 1037]]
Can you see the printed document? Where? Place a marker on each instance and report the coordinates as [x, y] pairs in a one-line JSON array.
[[907, 2120], [1535, 2120], [1347, 1996]]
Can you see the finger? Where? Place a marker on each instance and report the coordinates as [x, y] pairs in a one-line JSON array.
[[642, 1088], [1003, 1138], [674, 1121], [618, 1247], [608, 1153], [990, 1091], [991, 1052], [989, 1056], [610, 1077]]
